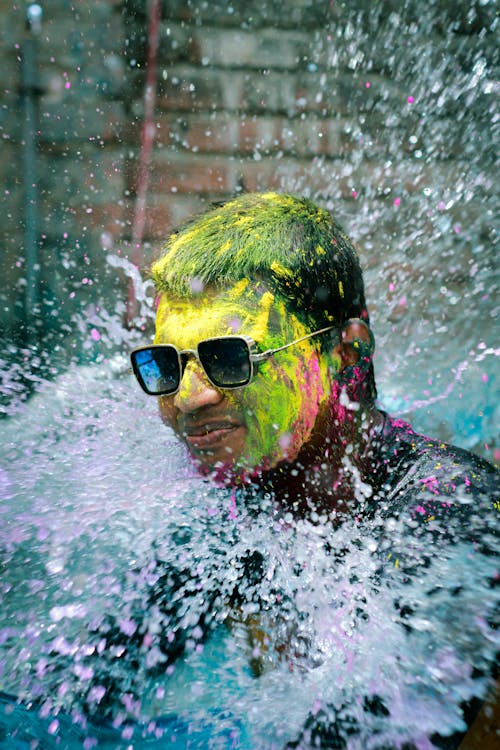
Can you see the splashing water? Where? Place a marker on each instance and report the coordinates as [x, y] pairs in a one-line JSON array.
[[100, 508]]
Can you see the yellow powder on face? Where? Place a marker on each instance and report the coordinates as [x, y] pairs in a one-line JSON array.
[[161, 311], [290, 324], [238, 309], [282, 402], [286, 395], [190, 386], [261, 323], [237, 290], [185, 322]]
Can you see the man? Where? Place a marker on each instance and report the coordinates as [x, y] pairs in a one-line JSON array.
[[262, 363], [294, 410]]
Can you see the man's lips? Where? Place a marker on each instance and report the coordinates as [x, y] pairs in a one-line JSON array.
[[208, 435]]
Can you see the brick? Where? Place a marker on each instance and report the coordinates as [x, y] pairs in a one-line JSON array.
[[159, 222], [165, 213], [295, 93], [178, 43], [216, 132], [190, 88], [251, 13], [113, 217], [272, 92], [95, 120], [313, 136], [225, 133], [267, 135], [197, 173], [333, 178], [260, 134], [266, 48], [88, 177], [267, 173]]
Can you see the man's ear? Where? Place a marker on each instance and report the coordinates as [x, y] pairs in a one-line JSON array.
[[357, 345]]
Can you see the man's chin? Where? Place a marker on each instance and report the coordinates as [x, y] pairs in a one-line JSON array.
[[208, 462], [232, 471]]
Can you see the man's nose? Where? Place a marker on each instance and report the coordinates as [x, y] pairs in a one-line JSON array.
[[195, 391]]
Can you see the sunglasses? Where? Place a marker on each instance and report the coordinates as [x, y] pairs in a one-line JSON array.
[[228, 362]]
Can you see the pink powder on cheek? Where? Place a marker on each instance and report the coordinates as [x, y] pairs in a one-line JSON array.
[[309, 376], [314, 365], [339, 412]]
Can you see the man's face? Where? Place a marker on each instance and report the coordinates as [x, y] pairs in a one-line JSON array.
[[256, 426]]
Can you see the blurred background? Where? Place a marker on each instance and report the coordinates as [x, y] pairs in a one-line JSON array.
[[121, 118]]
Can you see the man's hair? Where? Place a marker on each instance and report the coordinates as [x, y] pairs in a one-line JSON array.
[[290, 243]]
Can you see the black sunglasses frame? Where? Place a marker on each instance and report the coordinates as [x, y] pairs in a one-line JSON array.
[[253, 357]]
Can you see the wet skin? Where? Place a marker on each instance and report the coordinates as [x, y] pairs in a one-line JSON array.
[[255, 427]]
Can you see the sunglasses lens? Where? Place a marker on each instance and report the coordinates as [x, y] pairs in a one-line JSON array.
[[157, 369], [226, 361]]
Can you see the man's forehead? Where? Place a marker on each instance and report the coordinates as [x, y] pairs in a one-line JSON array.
[[246, 307], [243, 293]]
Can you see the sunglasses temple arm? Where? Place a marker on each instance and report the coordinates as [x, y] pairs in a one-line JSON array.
[[265, 355]]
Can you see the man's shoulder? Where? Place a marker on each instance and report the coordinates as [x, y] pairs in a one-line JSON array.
[[417, 467]]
